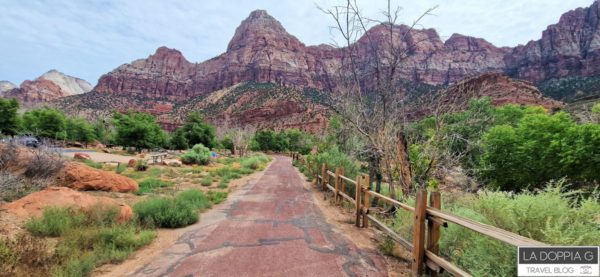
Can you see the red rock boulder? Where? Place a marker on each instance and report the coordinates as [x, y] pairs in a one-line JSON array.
[[131, 163], [81, 156], [33, 204], [82, 177]]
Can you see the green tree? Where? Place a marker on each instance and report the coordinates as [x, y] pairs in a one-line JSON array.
[[227, 143], [541, 147], [78, 129], [45, 122], [178, 140], [199, 132], [9, 123], [139, 130], [298, 141], [101, 131]]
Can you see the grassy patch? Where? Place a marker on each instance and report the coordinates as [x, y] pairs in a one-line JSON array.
[[216, 197], [87, 238], [172, 212], [93, 164], [151, 184], [206, 181]]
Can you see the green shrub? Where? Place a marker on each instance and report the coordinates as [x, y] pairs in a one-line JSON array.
[[121, 168], [141, 165], [195, 198], [252, 163], [198, 155], [151, 184], [216, 197], [206, 181], [165, 212], [552, 216], [55, 222]]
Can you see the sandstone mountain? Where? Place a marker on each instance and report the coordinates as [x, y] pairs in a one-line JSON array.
[[50, 86], [6, 86], [263, 52]]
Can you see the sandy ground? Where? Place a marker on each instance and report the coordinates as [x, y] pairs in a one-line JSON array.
[[101, 157]]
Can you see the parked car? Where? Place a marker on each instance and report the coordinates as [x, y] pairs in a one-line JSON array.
[[29, 141]]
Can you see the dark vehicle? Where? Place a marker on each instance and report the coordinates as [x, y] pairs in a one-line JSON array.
[[29, 141]]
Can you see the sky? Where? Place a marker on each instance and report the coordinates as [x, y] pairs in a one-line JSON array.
[[87, 38]]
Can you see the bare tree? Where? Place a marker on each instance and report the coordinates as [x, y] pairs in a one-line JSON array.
[[241, 138], [367, 94]]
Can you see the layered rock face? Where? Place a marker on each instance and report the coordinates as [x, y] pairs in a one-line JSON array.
[[50, 86], [262, 51], [569, 48], [6, 86], [498, 87]]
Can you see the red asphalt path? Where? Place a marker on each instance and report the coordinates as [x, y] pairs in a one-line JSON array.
[[269, 227]]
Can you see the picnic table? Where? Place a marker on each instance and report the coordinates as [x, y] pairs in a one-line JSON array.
[[158, 157]]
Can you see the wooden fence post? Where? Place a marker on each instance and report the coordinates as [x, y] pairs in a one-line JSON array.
[[433, 228], [419, 233], [337, 182], [343, 182], [323, 172], [366, 201], [357, 198]]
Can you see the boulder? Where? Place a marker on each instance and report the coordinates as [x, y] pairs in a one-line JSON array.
[[33, 204], [174, 163], [131, 163], [82, 156], [82, 177]]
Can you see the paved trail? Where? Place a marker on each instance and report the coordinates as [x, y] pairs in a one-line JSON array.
[[271, 227]]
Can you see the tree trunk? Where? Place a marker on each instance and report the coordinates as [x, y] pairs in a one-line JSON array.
[[404, 165]]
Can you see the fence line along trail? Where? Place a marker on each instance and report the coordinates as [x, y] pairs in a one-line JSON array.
[[271, 227]]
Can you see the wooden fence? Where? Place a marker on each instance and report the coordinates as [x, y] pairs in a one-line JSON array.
[[427, 215]]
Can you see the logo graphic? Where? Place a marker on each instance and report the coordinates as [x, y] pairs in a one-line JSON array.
[[559, 261]]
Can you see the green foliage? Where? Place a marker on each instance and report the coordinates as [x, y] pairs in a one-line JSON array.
[[151, 184], [101, 132], [541, 147], [80, 130], [227, 143], [141, 165], [88, 238], [206, 181], [9, 121], [121, 168], [91, 163], [199, 154], [45, 122], [55, 222], [216, 197], [551, 215], [287, 140], [178, 140], [139, 130], [197, 131], [165, 212], [172, 212]]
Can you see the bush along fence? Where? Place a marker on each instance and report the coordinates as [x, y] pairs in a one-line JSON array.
[[428, 218]]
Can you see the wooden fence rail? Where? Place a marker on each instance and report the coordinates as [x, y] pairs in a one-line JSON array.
[[427, 216]]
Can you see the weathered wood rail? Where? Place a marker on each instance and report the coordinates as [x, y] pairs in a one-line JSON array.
[[427, 215]]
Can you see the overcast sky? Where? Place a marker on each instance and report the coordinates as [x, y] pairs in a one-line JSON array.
[[89, 38]]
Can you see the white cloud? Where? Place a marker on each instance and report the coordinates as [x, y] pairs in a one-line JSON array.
[[89, 38]]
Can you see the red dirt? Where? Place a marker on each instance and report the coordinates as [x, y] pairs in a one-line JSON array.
[[272, 228]]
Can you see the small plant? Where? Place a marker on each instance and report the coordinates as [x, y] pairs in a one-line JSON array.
[[386, 246], [167, 212], [55, 222], [206, 181], [199, 155], [121, 168], [195, 198], [151, 184], [43, 164], [216, 197], [92, 164], [141, 165]]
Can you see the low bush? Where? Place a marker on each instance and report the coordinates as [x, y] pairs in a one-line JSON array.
[[121, 168], [55, 222], [551, 215], [206, 181], [43, 164], [216, 197], [25, 255], [151, 184], [141, 165], [172, 212], [252, 163], [88, 238], [199, 154]]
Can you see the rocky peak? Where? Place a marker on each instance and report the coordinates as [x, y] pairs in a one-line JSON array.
[[261, 29], [466, 43], [6, 86], [69, 85]]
